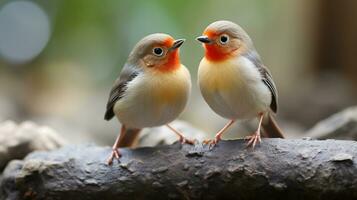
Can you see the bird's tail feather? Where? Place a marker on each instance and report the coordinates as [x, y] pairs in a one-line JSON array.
[[271, 128]]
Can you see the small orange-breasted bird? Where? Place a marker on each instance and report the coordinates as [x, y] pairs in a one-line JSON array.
[[234, 82], [152, 89]]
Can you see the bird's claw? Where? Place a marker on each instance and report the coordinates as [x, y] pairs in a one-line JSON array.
[[115, 154], [211, 143], [253, 139]]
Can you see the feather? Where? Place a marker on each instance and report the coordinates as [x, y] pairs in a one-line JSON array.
[[266, 77], [127, 74]]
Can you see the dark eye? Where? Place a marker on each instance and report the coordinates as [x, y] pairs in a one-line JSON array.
[[158, 51], [224, 39]]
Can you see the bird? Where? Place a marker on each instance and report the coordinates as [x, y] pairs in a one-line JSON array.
[[152, 90], [234, 82]]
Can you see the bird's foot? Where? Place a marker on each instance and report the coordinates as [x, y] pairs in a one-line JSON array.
[[115, 154], [212, 143], [253, 139]]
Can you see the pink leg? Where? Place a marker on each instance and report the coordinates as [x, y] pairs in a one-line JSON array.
[[218, 136], [115, 151], [255, 138], [182, 138]]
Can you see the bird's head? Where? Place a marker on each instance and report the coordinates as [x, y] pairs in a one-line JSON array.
[[223, 40], [158, 52]]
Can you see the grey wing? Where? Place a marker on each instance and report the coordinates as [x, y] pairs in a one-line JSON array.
[[127, 74], [266, 78]]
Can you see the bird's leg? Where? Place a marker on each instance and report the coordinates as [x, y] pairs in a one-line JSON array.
[[182, 138], [115, 151], [219, 134], [255, 138]]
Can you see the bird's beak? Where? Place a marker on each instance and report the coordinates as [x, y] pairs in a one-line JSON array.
[[204, 39], [177, 44]]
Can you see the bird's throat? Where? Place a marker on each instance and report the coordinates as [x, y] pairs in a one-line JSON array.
[[215, 54], [173, 62]]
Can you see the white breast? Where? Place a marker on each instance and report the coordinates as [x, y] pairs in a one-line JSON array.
[[233, 89], [154, 99]]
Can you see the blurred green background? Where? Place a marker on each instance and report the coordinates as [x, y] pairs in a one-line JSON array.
[[59, 58]]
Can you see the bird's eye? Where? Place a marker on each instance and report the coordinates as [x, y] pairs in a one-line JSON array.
[[224, 39], [158, 51]]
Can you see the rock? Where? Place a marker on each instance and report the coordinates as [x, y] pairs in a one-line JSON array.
[[275, 169], [163, 135], [342, 125], [16, 141]]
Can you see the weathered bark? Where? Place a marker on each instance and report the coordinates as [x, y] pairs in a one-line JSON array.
[[18, 140], [276, 169]]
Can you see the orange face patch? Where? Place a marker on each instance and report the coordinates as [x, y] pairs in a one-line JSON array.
[[210, 33], [168, 42], [172, 57], [214, 52], [173, 61]]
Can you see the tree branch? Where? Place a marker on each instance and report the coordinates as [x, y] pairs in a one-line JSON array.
[[276, 169]]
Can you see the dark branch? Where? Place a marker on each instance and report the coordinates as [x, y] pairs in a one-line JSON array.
[[276, 169]]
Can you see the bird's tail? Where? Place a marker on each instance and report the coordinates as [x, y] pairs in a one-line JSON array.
[[130, 138], [271, 128]]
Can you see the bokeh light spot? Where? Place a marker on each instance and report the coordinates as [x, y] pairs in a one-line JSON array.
[[24, 31]]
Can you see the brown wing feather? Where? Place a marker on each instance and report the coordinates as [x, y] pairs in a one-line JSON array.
[[266, 78], [118, 90]]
